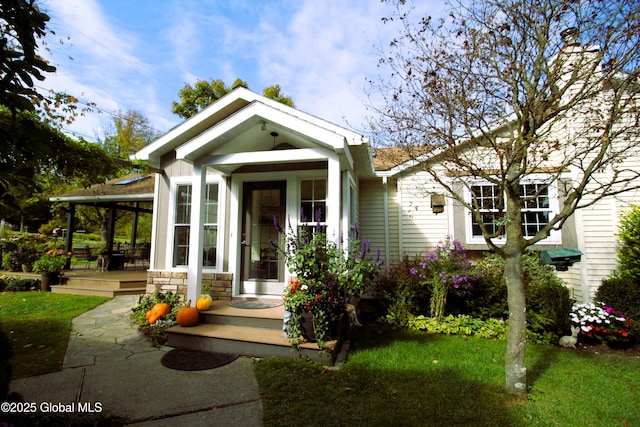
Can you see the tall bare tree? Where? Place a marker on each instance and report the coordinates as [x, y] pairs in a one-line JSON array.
[[523, 99]]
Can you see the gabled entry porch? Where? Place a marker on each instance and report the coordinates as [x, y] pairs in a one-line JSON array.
[[286, 191], [225, 174]]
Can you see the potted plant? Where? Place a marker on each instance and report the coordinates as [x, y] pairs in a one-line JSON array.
[[49, 266], [326, 279]]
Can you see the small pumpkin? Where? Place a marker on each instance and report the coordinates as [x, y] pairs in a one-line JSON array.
[[203, 303], [157, 312], [187, 316], [162, 308]]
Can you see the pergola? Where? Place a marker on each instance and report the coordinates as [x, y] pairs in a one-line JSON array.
[[132, 193]]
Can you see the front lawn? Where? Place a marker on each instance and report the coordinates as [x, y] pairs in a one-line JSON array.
[[37, 325], [394, 377]]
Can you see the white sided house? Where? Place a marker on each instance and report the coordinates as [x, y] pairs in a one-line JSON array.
[[226, 173]]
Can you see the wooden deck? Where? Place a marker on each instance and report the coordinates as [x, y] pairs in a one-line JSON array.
[[99, 283], [95, 282]]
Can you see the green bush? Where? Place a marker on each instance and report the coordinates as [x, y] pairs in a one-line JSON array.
[[629, 237], [401, 293], [10, 283], [622, 292], [467, 325], [548, 299]]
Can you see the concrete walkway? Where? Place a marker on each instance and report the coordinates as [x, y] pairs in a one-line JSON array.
[[110, 367]]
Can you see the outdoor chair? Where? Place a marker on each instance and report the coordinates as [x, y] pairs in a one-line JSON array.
[[83, 253], [138, 254]]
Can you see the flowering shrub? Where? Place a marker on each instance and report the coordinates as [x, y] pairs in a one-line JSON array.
[[445, 270], [304, 296], [600, 323]]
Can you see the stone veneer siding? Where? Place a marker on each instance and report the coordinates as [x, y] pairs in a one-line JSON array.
[[219, 284]]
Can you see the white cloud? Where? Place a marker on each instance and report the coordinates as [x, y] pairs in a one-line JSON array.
[[139, 58], [98, 62]]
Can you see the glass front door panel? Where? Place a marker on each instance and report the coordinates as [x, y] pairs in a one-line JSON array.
[[264, 258], [262, 268]]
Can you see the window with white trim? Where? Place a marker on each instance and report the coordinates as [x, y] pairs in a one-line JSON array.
[[539, 205], [182, 225], [313, 203]]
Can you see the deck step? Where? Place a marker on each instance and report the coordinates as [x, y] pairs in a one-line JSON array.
[[246, 341], [248, 332], [221, 313], [104, 284], [110, 293]]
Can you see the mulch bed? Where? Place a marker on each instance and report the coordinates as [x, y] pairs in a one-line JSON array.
[[633, 351], [183, 359]]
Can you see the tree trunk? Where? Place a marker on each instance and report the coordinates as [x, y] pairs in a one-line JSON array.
[[516, 371], [515, 368]]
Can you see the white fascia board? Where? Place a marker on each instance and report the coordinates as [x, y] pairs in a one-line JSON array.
[[196, 146], [157, 148], [268, 157], [352, 138], [115, 198]]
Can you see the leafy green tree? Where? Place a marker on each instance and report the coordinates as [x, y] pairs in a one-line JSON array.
[[23, 24], [32, 146], [275, 92], [498, 92], [131, 131], [194, 99], [33, 151]]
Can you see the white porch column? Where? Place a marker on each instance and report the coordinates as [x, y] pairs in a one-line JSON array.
[[333, 197], [196, 239]]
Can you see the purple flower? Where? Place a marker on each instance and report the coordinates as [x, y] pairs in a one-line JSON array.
[[413, 271]]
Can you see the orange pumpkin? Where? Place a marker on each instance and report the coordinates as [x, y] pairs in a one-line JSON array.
[[162, 308], [203, 303], [187, 316]]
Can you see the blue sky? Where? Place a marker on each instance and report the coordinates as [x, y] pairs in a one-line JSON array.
[[124, 54]]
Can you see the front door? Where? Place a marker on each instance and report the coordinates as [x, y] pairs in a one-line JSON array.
[[262, 267]]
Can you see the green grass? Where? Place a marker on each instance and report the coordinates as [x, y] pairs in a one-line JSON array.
[[38, 324], [416, 379]]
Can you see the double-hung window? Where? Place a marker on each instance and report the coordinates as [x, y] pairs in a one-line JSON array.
[[182, 225], [313, 203], [539, 204]]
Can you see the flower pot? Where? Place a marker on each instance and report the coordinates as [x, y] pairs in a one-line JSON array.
[[306, 326], [47, 279]]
